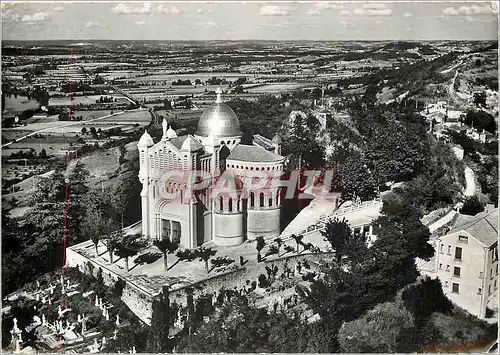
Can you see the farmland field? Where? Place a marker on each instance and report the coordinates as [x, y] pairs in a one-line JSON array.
[[110, 75], [19, 104], [90, 115], [50, 148], [191, 76], [50, 126], [174, 91], [137, 116], [274, 88], [84, 100]]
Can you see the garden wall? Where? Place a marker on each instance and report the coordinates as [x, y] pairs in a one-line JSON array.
[[140, 300]]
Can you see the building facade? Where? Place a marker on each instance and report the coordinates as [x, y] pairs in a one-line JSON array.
[[467, 263], [175, 207]]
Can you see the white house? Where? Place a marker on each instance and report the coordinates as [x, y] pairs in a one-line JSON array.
[[466, 262]]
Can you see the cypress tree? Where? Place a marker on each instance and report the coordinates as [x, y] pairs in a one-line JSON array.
[[158, 339]]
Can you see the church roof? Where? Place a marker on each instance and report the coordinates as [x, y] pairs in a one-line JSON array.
[[219, 120], [191, 145], [263, 142], [146, 140], [171, 133], [252, 153], [177, 141], [483, 226]]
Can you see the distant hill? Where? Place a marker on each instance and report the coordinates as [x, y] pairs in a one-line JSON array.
[[422, 48]]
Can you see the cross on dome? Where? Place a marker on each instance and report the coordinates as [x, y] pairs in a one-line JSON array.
[[219, 97]]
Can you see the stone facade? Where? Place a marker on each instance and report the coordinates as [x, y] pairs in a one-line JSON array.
[[193, 212]]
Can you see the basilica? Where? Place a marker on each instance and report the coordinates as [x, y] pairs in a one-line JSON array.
[[197, 218]]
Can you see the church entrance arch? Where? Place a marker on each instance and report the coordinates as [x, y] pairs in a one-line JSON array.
[[169, 223], [171, 230]]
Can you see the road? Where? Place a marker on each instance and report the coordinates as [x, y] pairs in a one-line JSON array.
[[470, 190], [66, 125], [470, 182], [127, 96], [451, 89]]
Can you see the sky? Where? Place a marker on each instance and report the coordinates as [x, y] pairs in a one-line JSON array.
[[280, 20]]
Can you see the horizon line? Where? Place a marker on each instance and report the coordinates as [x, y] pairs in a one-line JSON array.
[[249, 40]]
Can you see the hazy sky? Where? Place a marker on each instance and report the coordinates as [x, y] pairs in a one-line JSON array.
[[281, 20]]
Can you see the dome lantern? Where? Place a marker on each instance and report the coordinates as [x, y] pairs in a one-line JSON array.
[[219, 120]]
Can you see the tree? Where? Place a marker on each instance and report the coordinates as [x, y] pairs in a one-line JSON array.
[[204, 254], [425, 297], [98, 218], [221, 261], [113, 239], [165, 245], [42, 154], [481, 120], [480, 99], [273, 250], [298, 240], [279, 243], [127, 247], [84, 130], [126, 194], [472, 206], [387, 328], [260, 245], [48, 201], [93, 226], [338, 234], [399, 216], [353, 177], [158, 338], [302, 145], [185, 255]]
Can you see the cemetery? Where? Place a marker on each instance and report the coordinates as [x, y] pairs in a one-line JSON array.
[[68, 313]]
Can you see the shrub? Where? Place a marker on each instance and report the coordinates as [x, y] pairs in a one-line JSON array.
[[263, 282], [472, 206], [118, 288]]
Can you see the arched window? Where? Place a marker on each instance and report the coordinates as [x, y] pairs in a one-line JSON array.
[[261, 198], [230, 205], [257, 168], [221, 203], [252, 199], [270, 199], [238, 205], [277, 198]]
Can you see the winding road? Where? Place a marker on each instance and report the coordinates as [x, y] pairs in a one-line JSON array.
[[470, 190], [470, 182]]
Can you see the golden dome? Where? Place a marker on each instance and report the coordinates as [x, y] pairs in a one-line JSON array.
[[218, 121]]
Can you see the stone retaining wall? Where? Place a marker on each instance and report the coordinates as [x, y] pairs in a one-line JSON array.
[[140, 301]]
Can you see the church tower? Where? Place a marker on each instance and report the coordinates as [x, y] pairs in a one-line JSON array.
[[143, 146]]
